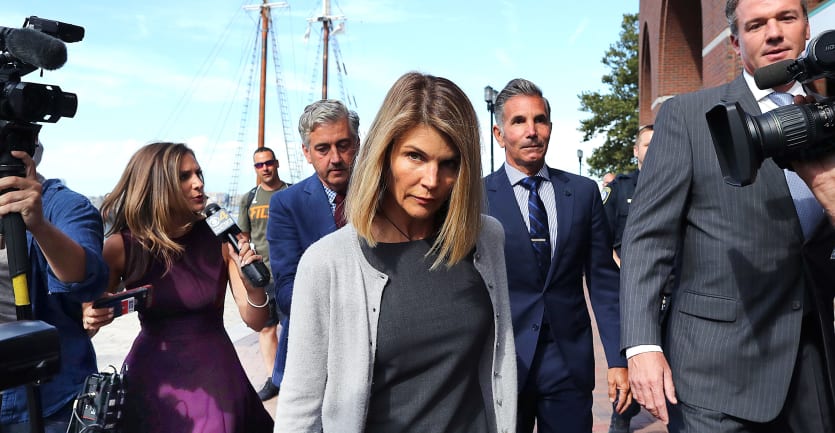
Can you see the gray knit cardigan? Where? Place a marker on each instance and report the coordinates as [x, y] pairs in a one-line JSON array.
[[333, 333]]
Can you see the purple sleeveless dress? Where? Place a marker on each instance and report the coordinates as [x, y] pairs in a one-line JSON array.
[[183, 374]]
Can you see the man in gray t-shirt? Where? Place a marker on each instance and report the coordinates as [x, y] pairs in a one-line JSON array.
[[252, 219]]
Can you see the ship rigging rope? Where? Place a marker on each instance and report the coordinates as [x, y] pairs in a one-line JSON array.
[[246, 72], [187, 96]]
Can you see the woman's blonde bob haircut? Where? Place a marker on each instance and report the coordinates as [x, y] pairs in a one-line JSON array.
[[419, 99], [149, 202]]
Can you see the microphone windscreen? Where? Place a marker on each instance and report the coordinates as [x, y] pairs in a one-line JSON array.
[[774, 74], [36, 48], [212, 208]]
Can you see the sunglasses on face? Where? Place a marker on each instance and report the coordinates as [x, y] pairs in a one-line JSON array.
[[270, 163]]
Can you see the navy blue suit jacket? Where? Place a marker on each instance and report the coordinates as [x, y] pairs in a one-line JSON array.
[[583, 246], [298, 217]]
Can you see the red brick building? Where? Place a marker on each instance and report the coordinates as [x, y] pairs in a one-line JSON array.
[[684, 46]]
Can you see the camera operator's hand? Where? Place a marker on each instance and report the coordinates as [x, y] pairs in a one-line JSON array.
[[23, 194], [800, 99], [94, 318], [820, 176], [66, 258]]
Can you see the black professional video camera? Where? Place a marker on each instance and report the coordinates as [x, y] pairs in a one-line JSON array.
[[39, 44], [788, 133]]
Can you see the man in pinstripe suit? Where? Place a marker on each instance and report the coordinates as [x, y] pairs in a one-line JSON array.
[[746, 343]]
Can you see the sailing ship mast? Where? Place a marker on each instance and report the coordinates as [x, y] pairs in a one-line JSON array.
[[262, 91], [264, 8], [294, 157], [326, 19]]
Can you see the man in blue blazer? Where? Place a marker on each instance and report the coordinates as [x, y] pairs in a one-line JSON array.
[[555, 356], [310, 209]]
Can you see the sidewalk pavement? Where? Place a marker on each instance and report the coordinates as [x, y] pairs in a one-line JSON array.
[[601, 408], [113, 342]]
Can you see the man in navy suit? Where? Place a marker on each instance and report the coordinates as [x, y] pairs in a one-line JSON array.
[[310, 209], [545, 267]]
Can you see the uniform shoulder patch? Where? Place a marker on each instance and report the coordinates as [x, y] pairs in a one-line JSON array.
[[605, 193]]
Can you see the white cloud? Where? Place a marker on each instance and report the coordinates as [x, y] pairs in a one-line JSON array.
[[372, 11], [578, 31], [142, 26]]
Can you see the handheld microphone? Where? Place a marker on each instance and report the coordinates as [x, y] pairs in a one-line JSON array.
[[225, 228], [818, 62], [34, 47]]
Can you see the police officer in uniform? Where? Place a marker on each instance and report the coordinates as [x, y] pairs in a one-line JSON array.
[[617, 196]]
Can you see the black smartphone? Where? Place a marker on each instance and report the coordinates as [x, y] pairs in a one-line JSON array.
[[126, 301]]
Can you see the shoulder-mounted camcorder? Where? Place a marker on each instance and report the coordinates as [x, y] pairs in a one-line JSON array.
[[787, 133]]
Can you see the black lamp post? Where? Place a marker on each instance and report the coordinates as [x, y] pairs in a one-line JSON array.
[[580, 158], [490, 98]]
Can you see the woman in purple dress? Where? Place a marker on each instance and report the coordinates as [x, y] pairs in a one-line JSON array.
[[183, 374]]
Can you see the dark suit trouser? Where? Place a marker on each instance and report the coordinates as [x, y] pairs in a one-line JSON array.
[[550, 397], [808, 406], [281, 352]]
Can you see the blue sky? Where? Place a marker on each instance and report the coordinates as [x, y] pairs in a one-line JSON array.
[[176, 71]]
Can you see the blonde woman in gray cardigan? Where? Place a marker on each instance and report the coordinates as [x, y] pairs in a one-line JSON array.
[[401, 320]]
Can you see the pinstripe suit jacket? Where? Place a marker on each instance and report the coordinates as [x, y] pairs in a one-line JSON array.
[[733, 331]]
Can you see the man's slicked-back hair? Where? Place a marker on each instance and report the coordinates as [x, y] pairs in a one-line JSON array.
[[517, 87], [326, 111], [730, 14]]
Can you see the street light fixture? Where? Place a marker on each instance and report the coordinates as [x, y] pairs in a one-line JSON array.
[[490, 98], [580, 158]]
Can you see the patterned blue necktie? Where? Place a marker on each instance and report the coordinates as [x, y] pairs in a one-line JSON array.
[[809, 211], [538, 219], [781, 98]]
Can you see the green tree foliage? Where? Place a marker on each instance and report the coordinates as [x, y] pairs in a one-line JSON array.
[[615, 113]]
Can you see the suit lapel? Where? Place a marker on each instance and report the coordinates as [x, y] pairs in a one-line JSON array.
[[500, 191], [503, 207], [564, 198], [769, 174], [737, 91], [319, 207]]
